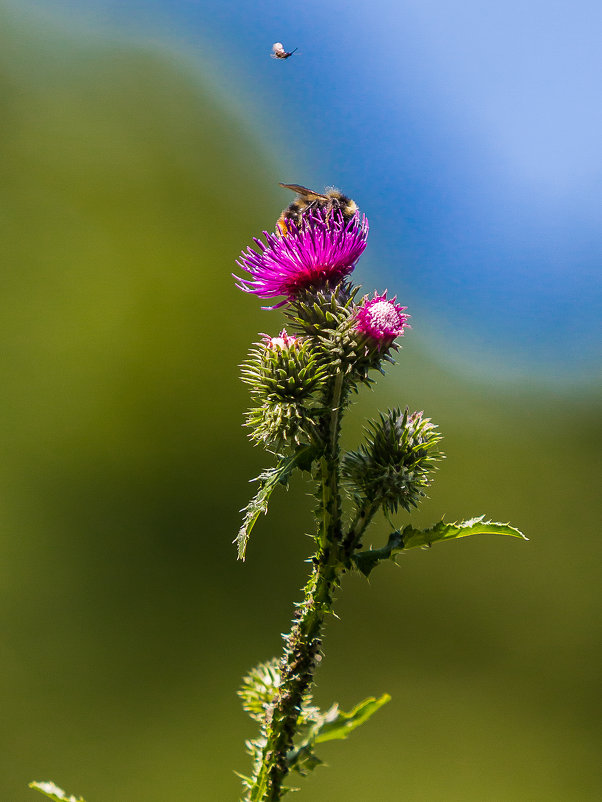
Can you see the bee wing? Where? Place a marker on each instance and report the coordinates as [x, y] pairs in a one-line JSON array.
[[304, 191]]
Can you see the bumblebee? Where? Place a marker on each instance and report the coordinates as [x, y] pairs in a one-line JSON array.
[[307, 199]]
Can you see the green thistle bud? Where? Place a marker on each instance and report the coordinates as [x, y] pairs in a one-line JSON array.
[[283, 368], [394, 466], [327, 315], [286, 377], [316, 310], [259, 688], [354, 339]]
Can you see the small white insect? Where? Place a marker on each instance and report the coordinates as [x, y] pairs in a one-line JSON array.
[[278, 51]]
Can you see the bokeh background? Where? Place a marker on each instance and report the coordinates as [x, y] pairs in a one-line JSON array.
[[141, 147]]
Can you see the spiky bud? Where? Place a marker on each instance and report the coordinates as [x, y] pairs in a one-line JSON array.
[[317, 310], [328, 315], [259, 688], [286, 375], [394, 465]]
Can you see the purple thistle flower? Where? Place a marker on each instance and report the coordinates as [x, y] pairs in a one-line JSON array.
[[321, 250], [381, 319]]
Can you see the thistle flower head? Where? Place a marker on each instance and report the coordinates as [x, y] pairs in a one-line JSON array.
[[318, 251], [381, 320]]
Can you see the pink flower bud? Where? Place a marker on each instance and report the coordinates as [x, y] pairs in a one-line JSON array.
[[381, 320]]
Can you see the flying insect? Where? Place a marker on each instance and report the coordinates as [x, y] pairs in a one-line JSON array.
[[278, 51]]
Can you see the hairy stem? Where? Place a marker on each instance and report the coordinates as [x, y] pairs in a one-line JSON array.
[[302, 653], [360, 523], [303, 643]]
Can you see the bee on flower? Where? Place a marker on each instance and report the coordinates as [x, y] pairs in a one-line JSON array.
[[307, 199], [320, 250]]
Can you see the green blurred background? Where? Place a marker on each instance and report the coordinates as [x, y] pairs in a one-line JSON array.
[[128, 189]]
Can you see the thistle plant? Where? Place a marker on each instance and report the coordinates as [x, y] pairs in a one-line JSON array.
[[302, 381]]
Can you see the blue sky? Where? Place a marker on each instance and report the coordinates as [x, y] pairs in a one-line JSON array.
[[469, 132]]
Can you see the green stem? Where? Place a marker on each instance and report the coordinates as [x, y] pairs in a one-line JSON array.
[[360, 523], [330, 505], [303, 643]]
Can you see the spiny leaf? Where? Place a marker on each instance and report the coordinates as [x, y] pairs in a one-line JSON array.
[[304, 760], [52, 791], [268, 480], [332, 725], [366, 561], [444, 531], [337, 724], [410, 538]]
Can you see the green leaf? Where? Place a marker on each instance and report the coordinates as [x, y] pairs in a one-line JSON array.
[[337, 725], [443, 531], [410, 538], [366, 561], [332, 725], [52, 791], [268, 481], [304, 760]]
